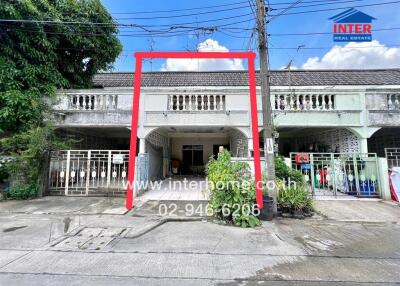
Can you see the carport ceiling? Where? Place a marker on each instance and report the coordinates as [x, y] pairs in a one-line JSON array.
[[299, 131], [200, 129], [107, 132]]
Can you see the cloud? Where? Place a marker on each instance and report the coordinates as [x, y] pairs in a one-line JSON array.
[[356, 56], [208, 45]]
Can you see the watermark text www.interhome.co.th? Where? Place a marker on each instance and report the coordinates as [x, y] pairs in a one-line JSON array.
[[195, 185]]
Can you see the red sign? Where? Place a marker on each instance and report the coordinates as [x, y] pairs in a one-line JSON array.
[[302, 158]]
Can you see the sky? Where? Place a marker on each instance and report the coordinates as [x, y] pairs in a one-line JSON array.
[[317, 51]]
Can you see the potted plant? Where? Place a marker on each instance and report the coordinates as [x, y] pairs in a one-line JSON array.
[[295, 201]]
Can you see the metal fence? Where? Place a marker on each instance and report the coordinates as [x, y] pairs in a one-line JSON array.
[[393, 157], [88, 172], [339, 174]]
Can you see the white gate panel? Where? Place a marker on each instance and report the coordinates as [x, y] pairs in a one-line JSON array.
[[89, 172]]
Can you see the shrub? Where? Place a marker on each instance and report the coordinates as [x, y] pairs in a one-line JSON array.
[[232, 202], [4, 174], [285, 173], [294, 199], [21, 192]]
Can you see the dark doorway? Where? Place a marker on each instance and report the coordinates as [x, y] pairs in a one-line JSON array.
[[155, 162], [216, 149], [192, 159]]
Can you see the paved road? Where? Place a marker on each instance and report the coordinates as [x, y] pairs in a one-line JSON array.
[[104, 249]]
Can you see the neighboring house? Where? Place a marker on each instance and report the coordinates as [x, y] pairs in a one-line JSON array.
[[185, 116]]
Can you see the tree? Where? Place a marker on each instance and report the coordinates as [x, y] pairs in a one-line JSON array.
[[46, 45]]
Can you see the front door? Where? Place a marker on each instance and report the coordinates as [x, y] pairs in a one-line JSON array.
[[192, 159]]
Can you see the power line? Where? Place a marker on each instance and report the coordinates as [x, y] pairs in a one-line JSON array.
[[182, 15], [325, 33], [53, 22], [333, 9], [179, 25], [250, 38], [168, 33], [320, 4], [284, 10], [179, 10], [130, 52], [184, 29], [342, 47]]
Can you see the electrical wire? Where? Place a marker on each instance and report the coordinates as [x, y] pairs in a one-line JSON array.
[[178, 10], [189, 30], [325, 33], [284, 10], [321, 4], [338, 8], [180, 16], [306, 2], [53, 22]]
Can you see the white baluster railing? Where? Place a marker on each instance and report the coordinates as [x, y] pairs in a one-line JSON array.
[[302, 102], [92, 102], [196, 102], [393, 101]]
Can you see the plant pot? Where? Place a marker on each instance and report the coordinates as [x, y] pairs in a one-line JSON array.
[[298, 214], [267, 212]]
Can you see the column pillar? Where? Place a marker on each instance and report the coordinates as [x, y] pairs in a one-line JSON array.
[[363, 145], [249, 146], [142, 145]]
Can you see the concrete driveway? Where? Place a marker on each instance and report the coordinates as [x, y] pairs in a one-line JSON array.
[[359, 210], [65, 205], [65, 245]]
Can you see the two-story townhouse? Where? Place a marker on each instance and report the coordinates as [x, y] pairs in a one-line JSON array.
[[185, 117]]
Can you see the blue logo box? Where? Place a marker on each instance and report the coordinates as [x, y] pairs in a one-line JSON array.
[[352, 37]]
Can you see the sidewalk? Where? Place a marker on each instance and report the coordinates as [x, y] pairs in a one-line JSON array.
[[63, 244]]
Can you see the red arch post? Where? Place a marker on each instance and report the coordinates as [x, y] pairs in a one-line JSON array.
[[139, 56]]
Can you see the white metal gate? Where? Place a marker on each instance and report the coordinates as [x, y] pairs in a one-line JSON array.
[[89, 172], [340, 174], [393, 157]]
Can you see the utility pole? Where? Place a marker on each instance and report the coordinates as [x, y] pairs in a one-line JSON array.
[[266, 98]]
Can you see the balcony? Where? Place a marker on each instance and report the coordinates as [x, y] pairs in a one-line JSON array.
[[393, 101], [304, 102], [384, 108], [211, 108], [316, 108], [92, 101], [196, 102]]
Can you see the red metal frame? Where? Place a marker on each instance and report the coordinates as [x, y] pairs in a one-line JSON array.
[[139, 56]]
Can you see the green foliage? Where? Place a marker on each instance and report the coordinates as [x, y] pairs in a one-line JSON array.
[[294, 199], [30, 150], [4, 162], [74, 40], [36, 58], [232, 191], [283, 172], [22, 192]]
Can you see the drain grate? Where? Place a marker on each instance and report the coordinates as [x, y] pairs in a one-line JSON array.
[[91, 238]]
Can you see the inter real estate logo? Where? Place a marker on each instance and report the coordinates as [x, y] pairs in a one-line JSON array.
[[352, 26]]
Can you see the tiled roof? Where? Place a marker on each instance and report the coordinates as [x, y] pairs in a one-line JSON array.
[[240, 78]]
